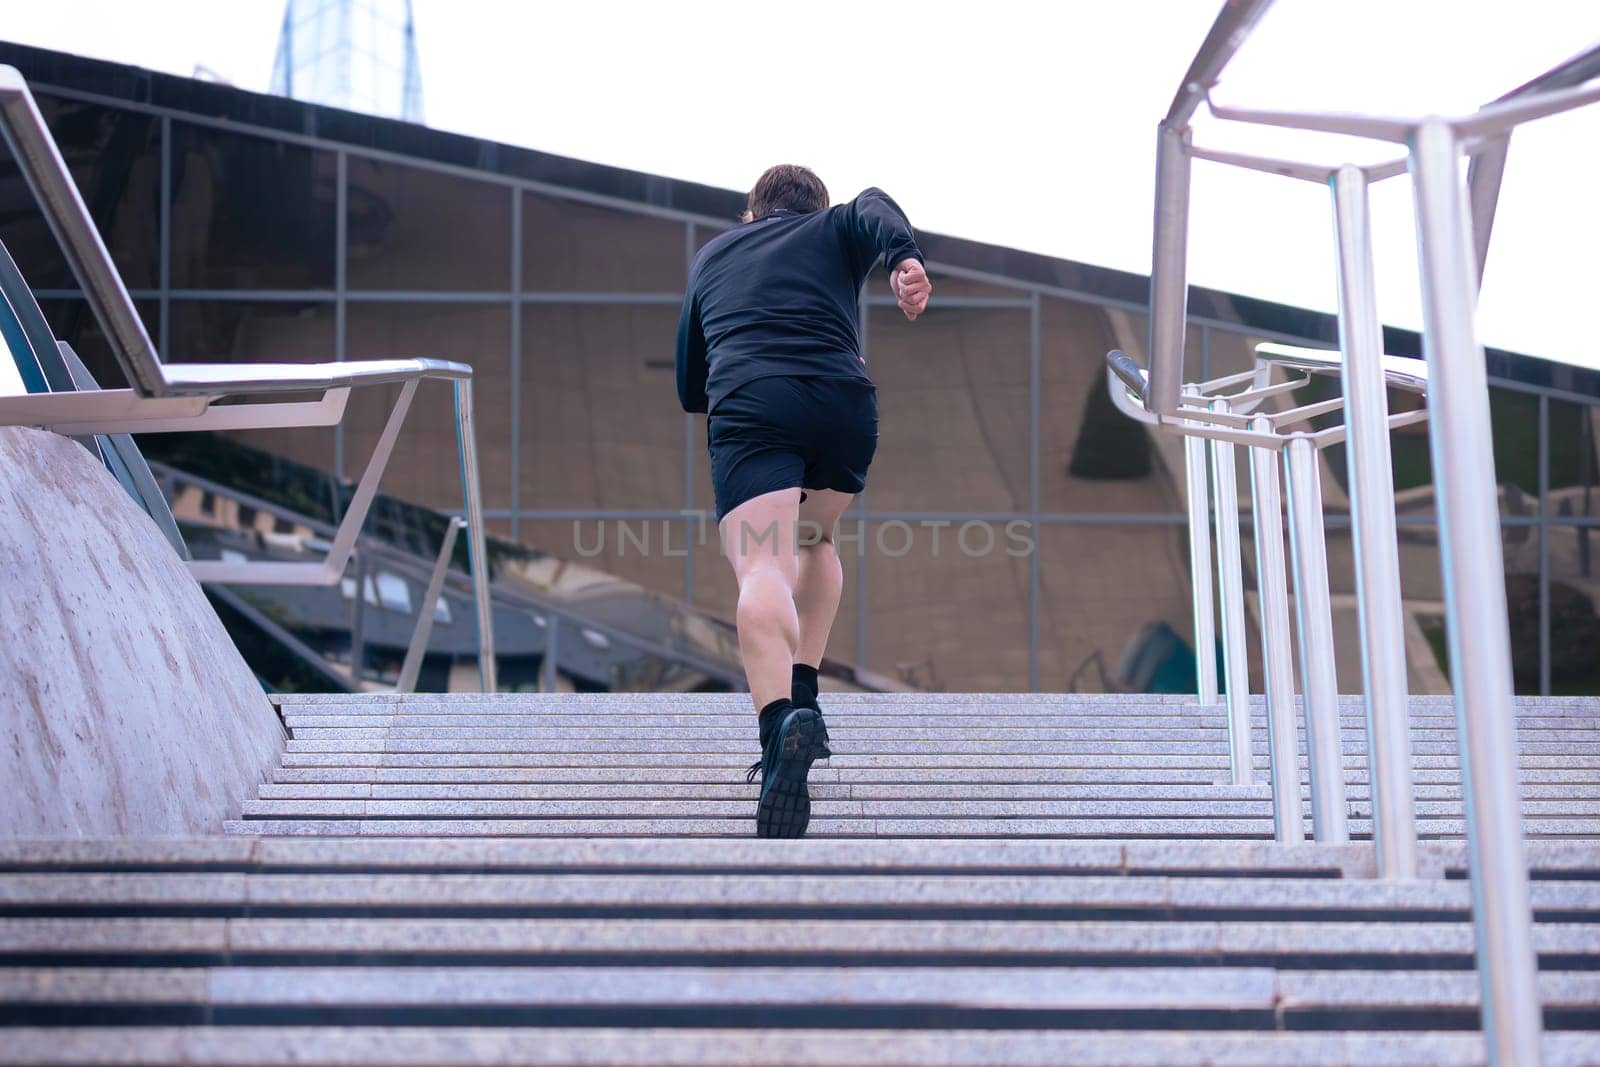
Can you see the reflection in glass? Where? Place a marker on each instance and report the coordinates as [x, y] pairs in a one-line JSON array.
[[1092, 458], [72, 321], [249, 213], [1574, 451], [601, 426], [1574, 609], [114, 157], [411, 228], [953, 409], [426, 450], [947, 606], [1114, 611], [278, 331], [570, 246]]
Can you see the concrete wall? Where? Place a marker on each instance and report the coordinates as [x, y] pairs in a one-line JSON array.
[[124, 706]]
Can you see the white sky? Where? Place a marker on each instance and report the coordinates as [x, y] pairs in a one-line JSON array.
[[1017, 122]]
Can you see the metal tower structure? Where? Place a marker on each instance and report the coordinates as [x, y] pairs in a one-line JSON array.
[[356, 54]]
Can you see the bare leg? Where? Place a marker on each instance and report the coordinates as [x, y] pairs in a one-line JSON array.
[[758, 537], [821, 577]]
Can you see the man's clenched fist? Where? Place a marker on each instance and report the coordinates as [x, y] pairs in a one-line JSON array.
[[910, 285]]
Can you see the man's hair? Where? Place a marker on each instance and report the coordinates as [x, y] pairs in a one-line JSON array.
[[786, 186]]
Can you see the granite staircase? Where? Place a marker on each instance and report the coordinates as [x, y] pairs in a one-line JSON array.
[[572, 879]]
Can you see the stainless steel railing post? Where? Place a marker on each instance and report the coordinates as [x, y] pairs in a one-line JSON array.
[[1314, 629], [1230, 577], [477, 544], [1374, 536], [411, 666], [1475, 599], [1272, 596], [1169, 287], [1205, 634]]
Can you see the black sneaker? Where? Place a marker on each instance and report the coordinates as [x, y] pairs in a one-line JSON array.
[[784, 809]]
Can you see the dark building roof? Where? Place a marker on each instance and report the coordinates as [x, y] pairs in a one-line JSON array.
[[117, 81]]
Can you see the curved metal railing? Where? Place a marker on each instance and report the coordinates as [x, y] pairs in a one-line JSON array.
[[1453, 234]]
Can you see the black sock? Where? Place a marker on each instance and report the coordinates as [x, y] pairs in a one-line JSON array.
[[804, 687], [772, 716]]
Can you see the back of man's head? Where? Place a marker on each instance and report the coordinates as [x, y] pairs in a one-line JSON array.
[[786, 186]]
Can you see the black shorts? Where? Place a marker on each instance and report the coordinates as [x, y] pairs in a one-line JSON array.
[[783, 432]]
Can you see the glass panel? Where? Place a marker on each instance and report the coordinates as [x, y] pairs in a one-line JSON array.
[[646, 552], [1574, 472], [1092, 457], [1214, 353], [601, 426], [1574, 604], [237, 331], [115, 159], [307, 491], [417, 229], [287, 331], [1515, 420], [389, 590], [1114, 612], [570, 246], [1523, 607], [1422, 601], [949, 614], [269, 659], [249, 213], [72, 321], [953, 410], [425, 466]]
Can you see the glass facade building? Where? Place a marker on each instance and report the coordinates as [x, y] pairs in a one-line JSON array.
[[1017, 533]]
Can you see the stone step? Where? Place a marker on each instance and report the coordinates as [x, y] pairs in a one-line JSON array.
[[822, 807], [414, 1046], [1145, 997], [893, 723], [314, 789], [639, 942], [883, 702], [1097, 829], [651, 854], [403, 739], [725, 790], [908, 742], [1565, 859], [965, 735], [489, 754], [1354, 719], [791, 894], [838, 807], [1354, 776]]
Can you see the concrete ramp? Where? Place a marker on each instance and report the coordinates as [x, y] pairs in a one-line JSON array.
[[124, 706]]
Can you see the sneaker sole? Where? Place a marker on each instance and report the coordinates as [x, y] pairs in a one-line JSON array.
[[818, 709], [785, 806]]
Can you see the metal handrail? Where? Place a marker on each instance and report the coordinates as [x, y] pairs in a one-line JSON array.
[[179, 398], [1399, 372], [1451, 257], [42, 167], [1488, 167], [1233, 25]]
